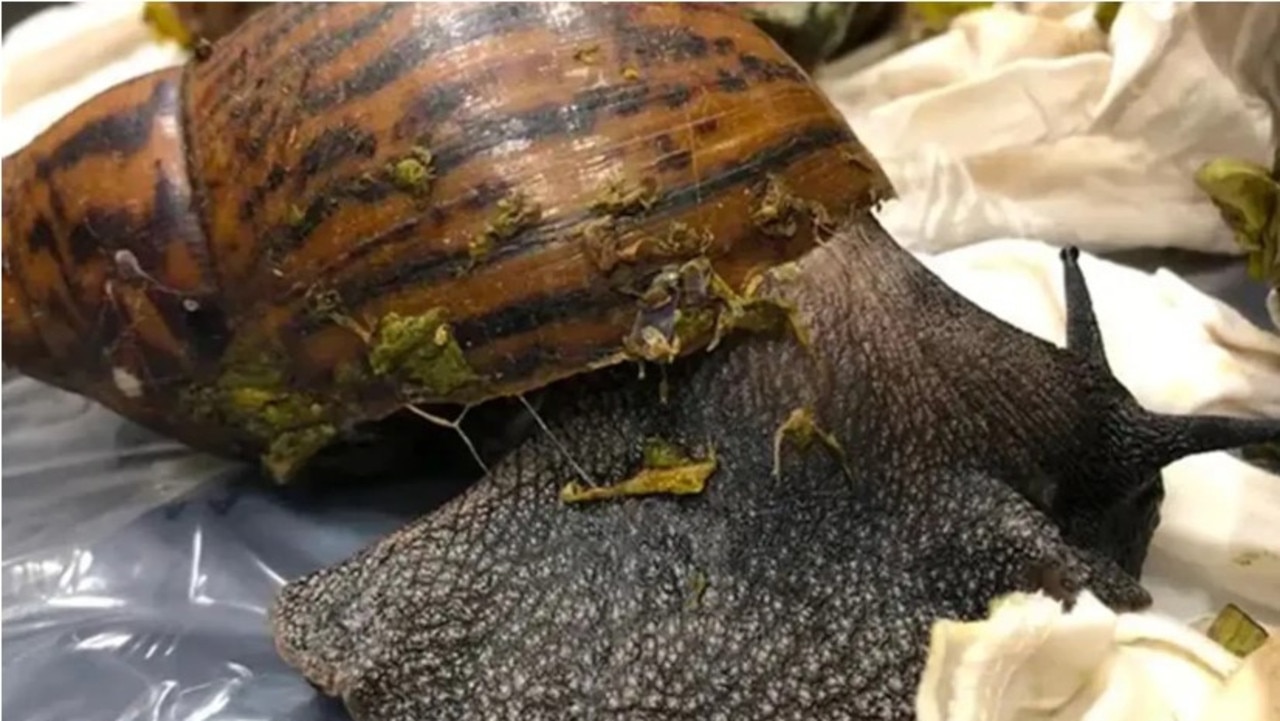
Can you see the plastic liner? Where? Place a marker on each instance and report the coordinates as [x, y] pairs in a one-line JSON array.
[[157, 610], [1037, 125]]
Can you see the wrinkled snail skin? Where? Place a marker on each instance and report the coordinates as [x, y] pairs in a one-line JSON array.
[[974, 460], [209, 249]]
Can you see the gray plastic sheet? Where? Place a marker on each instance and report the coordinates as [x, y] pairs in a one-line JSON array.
[[137, 575]]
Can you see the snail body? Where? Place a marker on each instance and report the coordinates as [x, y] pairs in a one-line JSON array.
[[340, 209]]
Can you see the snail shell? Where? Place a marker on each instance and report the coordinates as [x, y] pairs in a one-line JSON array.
[[344, 208]]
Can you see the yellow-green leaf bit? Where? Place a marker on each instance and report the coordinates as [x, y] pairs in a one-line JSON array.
[[413, 173], [252, 393], [622, 197], [515, 213], [802, 430], [698, 585], [1104, 15], [421, 352], [1248, 197], [1235, 631], [690, 305], [683, 479], [165, 24], [659, 453]]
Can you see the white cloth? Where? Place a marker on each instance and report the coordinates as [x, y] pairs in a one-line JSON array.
[[1038, 126], [1032, 661]]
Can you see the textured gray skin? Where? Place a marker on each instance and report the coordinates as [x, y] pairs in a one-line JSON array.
[[820, 588]]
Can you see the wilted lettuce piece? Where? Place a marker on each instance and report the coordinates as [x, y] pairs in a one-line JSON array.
[[811, 32], [924, 20], [1248, 196], [1235, 631], [1104, 14], [187, 22]]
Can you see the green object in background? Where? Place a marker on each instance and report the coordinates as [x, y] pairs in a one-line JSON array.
[[1264, 455], [924, 20], [808, 31], [165, 23], [1248, 196], [1104, 14], [1236, 632]]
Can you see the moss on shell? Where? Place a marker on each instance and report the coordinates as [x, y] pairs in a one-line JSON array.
[[690, 305], [588, 54], [778, 211], [413, 174], [253, 394], [685, 241], [420, 352], [515, 213], [288, 449], [626, 197]]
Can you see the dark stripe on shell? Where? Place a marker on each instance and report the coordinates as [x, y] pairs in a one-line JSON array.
[[731, 83], [431, 107], [40, 238], [408, 54], [647, 45], [759, 69], [538, 312], [333, 146], [121, 133], [377, 284], [101, 229], [276, 22]]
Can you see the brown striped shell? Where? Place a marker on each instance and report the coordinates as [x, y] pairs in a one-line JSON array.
[[349, 207]]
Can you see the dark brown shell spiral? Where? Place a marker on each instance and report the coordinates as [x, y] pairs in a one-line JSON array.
[[347, 207]]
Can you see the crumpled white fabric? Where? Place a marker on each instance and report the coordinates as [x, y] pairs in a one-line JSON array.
[[1032, 661], [1037, 125], [61, 57]]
